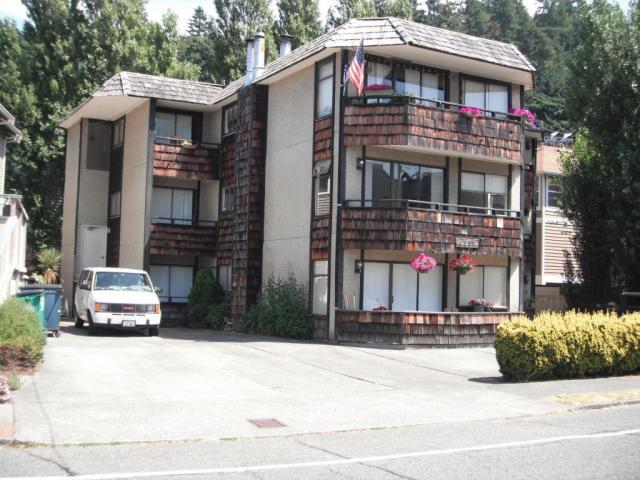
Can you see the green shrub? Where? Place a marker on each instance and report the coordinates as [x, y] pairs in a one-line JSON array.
[[555, 345], [206, 305], [22, 339], [281, 310]]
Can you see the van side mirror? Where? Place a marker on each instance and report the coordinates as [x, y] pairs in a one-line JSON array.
[[157, 289]]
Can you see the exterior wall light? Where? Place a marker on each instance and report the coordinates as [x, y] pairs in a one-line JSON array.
[[359, 266], [360, 163]]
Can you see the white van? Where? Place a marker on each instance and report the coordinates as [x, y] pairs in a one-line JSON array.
[[117, 298]]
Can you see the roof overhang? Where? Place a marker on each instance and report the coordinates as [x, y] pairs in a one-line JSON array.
[[108, 107], [7, 123]]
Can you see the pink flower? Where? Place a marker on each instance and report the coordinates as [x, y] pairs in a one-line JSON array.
[[378, 86], [472, 111], [423, 263], [523, 112]]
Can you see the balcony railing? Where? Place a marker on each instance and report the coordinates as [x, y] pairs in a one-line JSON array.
[[413, 225], [176, 157], [183, 239], [434, 126]]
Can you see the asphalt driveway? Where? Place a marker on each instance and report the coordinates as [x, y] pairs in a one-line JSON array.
[[194, 384]]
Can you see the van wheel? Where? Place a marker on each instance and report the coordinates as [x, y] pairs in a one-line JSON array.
[[154, 331], [79, 323], [93, 330]]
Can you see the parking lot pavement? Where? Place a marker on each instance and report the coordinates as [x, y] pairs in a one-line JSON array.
[[199, 385]]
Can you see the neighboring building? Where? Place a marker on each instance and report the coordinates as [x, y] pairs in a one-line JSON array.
[[554, 232], [13, 218], [283, 174]]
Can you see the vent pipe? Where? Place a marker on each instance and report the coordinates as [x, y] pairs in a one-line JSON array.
[[248, 79], [285, 44], [258, 55]]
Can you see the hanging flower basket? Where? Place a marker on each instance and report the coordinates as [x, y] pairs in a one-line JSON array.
[[480, 305], [423, 263], [462, 265], [471, 112], [523, 112]]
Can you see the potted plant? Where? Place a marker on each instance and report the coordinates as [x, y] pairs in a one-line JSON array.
[[423, 263], [378, 89], [471, 112], [523, 112], [480, 305], [462, 265]]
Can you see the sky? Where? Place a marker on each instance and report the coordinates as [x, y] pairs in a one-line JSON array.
[[184, 8]]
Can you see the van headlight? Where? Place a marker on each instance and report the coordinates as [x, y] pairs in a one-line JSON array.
[[101, 307], [153, 308]]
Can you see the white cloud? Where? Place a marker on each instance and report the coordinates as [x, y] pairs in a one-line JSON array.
[[13, 9]]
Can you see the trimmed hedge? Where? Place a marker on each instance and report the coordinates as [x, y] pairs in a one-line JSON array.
[[22, 339], [555, 345]]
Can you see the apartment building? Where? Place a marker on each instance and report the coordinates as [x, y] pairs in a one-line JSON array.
[[13, 217], [285, 171], [554, 232]]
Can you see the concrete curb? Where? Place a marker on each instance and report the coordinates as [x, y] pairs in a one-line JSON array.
[[7, 430]]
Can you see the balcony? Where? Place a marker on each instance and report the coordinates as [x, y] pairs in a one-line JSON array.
[[432, 126], [419, 328], [180, 239], [411, 225], [183, 159]]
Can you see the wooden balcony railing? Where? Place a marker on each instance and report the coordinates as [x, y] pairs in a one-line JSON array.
[[410, 225], [181, 158], [432, 125], [173, 239]]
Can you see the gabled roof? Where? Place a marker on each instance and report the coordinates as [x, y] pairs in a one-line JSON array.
[[389, 31], [163, 88], [7, 123]]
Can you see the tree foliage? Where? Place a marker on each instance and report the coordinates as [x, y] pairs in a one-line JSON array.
[[299, 18], [602, 183]]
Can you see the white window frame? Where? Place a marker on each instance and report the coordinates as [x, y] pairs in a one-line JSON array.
[[115, 204], [167, 295], [172, 219], [326, 192], [324, 106], [227, 198], [320, 298], [548, 189], [480, 269], [487, 87]]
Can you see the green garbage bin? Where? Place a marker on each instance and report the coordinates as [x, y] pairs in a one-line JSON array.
[[52, 300], [35, 299]]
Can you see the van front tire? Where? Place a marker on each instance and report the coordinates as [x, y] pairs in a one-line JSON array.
[[93, 330], [154, 331]]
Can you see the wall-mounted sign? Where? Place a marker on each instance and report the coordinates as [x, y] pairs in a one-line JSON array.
[[468, 242]]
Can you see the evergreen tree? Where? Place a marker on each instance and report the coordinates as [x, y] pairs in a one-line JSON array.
[[238, 20], [345, 10], [299, 18], [442, 13], [406, 9], [199, 24]]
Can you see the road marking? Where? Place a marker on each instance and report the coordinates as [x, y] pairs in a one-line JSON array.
[[329, 463]]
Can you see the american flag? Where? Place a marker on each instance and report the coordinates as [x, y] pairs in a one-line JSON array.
[[356, 70]]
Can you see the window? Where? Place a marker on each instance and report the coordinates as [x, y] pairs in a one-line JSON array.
[[554, 189], [175, 282], [485, 282], [227, 199], [324, 86], [224, 277], [98, 145], [379, 73], [114, 204], [323, 195], [399, 287], [483, 190], [421, 84], [172, 206], [230, 119], [320, 287], [486, 95], [386, 180], [171, 126], [118, 133]]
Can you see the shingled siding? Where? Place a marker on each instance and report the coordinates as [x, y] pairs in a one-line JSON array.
[[182, 240], [434, 129], [248, 219], [320, 228], [410, 229], [225, 220], [419, 329], [185, 162]]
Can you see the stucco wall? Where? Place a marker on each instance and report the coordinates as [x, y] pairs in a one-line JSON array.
[[288, 180], [69, 211], [211, 126], [134, 188], [93, 194]]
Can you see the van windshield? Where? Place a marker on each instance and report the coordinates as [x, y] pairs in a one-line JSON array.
[[122, 281]]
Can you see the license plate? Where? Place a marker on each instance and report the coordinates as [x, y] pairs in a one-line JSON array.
[[128, 323]]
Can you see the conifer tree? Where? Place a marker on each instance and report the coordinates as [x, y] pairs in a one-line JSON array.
[[299, 18]]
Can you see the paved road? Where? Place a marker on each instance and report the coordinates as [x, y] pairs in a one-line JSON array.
[[199, 385], [585, 444]]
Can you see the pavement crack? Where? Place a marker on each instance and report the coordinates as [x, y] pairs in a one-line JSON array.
[[320, 367], [320, 449], [360, 350], [395, 474], [58, 464]]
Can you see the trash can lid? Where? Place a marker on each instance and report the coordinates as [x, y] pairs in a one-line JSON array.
[[41, 286], [27, 293]]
